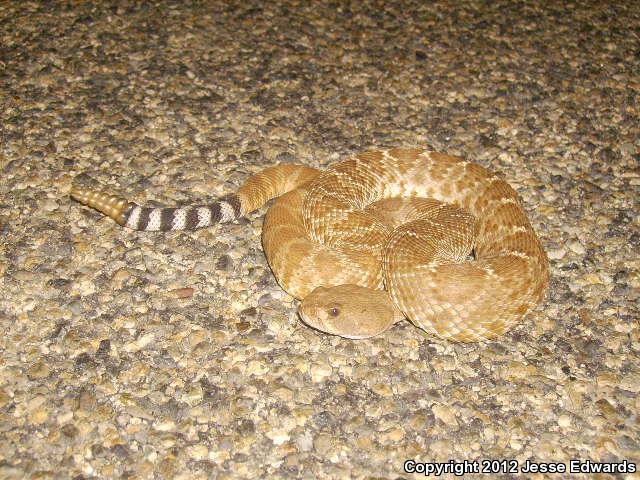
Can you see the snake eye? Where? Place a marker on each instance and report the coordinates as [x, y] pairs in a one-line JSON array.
[[334, 311]]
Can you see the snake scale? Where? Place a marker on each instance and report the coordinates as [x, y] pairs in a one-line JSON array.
[[379, 237]]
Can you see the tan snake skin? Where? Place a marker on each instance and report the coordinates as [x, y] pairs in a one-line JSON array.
[[382, 236]]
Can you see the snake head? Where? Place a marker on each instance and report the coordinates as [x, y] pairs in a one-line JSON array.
[[349, 311]]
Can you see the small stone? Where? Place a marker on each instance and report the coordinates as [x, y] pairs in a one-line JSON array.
[[515, 444], [38, 370], [556, 253], [631, 382], [607, 410], [445, 414], [167, 425], [320, 371], [49, 205], [256, 367], [194, 395], [181, 293], [305, 442], [393, 435], [364, 443], [382, 389], [278, 436], [592, 279], [119, 278], [64, 417], [322, 443], [144, 469], [69, 430], [198, 452], [5, 398], [576, 247], [39, 416], [564, 421], [35, 402], [139, 343]]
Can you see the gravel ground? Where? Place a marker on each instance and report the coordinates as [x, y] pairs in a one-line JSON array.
[[141, 355]]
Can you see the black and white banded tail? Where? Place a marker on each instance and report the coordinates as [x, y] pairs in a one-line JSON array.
[[253, 194], [151, 219]]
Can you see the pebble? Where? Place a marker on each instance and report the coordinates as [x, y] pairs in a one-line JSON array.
[[564, 421], [278, 436], [556, 253], [576, 247], [319, 372], [38, 370], [382, 390], [181, 293], [445, 414], [140, 343], [198, 452]]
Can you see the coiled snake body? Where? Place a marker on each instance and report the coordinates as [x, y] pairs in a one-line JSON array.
[[382, 236]]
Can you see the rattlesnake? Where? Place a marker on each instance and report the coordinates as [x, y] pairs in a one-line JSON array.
[[382, 236]]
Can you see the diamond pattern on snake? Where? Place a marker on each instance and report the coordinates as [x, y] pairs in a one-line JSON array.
[[381, 237]]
